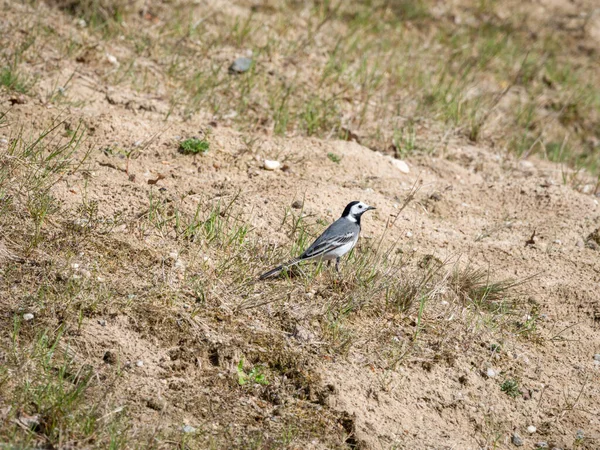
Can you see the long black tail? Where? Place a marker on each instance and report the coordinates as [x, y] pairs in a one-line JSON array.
[[277, 270]]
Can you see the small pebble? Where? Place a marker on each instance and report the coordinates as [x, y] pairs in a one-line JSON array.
[[526, 165], [409, 234], [297, 204], [516, 440], [240, 65], [541, 444], [112, 59], [580, 435], [271, 165], [74, 266], [597, 357], [588, 189], [139, 363], [188, 429], [401, 165], [531, 429], [102, 322], [27, 317], [491, 373]]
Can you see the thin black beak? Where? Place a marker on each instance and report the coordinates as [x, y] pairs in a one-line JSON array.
[[369, 208]]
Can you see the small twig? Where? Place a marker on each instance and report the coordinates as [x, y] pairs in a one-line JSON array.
[[111, 165], [531, 240], [563, 330]]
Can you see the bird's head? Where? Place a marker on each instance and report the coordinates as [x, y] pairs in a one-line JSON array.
[[354, 210]]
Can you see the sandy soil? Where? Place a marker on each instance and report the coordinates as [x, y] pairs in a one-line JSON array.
[[474, 206]]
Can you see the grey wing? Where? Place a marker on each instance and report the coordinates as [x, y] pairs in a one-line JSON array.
[[338, 234]]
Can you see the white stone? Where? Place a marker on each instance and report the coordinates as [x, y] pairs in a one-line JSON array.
[[401, 165], [531, 429], [526, 165], [27, 317], [408, 234], [139, 363], [271, 165], [587, 189], [491, 373], [112, 59], [74, 266]]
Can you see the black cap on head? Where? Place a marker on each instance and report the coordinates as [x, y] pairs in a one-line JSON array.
[[348, 207]]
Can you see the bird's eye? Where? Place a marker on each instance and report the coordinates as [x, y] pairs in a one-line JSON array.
[[360, 206]]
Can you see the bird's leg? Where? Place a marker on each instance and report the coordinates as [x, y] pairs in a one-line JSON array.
[[337, 264]]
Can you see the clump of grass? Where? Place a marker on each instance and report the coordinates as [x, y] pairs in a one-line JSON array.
[[11, 79], [30, 167], [511, 388], [106, 15], [48, 404], [473, 286], [255, 375], [193, 146], [334, 158]]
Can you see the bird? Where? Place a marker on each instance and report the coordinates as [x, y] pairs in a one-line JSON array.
[[337, 240]]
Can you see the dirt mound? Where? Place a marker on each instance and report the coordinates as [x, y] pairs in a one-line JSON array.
[[467, 319]]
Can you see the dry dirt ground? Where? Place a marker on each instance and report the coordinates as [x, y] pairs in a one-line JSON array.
[[154, 289]]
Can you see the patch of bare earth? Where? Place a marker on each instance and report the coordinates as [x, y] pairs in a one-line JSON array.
[[459, 322]]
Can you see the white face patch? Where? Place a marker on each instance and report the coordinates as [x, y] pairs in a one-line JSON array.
[[358, 209]]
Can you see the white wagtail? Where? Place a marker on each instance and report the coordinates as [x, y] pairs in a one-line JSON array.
[[335, 242]]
